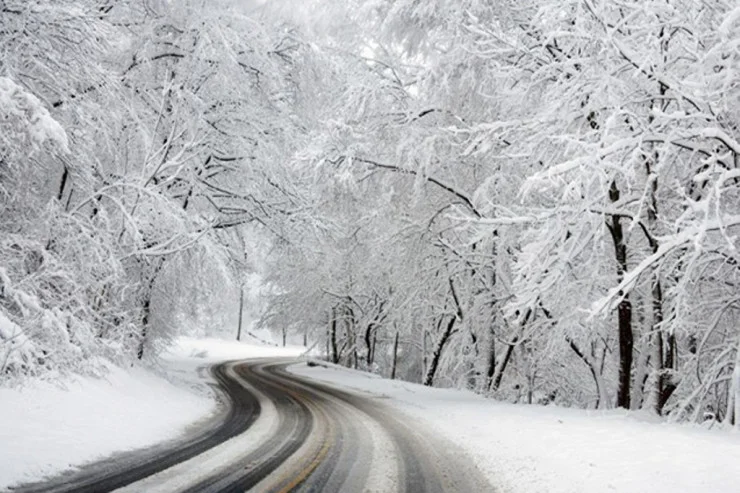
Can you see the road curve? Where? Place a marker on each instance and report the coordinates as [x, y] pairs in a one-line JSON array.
[[287, 433]]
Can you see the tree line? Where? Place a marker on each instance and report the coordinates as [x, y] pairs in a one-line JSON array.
[[536, 200]]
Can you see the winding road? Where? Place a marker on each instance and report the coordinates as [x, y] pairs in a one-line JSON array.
[[280, 433]]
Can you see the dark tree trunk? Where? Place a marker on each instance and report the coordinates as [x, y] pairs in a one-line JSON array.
[[491, 364], [665, 384], [63, 184], [504, 363], [437, 354], [395, 356], [666, 353], [665, 348], [499, 371], [369, 343], [146, 313], [624, 310], [144, 328], [350, 323], [333, 337], [591, 368], [375, 343], [146, 307], [241, 311]]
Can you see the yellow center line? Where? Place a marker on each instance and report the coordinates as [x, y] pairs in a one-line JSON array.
[[320, 455], [322, 452]]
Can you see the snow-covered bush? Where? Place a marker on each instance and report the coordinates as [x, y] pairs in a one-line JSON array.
[[25, 122]]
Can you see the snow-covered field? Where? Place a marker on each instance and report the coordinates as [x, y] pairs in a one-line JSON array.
[[47, 428], [534, 449]]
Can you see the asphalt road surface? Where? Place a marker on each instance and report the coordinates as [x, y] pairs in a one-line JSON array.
[[279, 432]]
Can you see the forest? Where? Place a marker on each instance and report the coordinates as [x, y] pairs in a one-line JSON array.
[[538, 200]]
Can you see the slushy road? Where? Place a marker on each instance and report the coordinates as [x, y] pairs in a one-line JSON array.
[[279, 433]]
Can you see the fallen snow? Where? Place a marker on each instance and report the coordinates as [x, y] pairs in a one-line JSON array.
[[47, 428], [214, 350], [534, 449]]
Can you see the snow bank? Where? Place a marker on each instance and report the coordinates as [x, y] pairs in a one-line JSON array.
[[47, 428], [533, 449]]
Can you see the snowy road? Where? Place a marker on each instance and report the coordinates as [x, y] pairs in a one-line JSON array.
[[284, 432]]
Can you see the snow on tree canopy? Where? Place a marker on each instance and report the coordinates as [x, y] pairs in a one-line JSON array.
[[27, 118]]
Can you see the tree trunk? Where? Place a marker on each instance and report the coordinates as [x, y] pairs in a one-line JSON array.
[[146, 309], [624, 310], [491, 365], [63, 184], [333, 337], [602, 396], [665, 385], [472, 371], [733, 397], [395, 356], [437, 353], [350, 335], [144, 329], [375, 343], [241, 311], [369, 344], [499, 373], [665, 349], [736, 392], [665, 354], [423, 354]]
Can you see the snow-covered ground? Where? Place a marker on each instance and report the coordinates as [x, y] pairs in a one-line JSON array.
[[533, 449], [203, 351], [47, 428]]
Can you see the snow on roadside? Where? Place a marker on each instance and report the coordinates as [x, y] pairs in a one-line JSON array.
[[47, 428], [534, 449]]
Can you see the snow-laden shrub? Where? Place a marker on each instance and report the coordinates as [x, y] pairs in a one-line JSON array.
[[64, 290], [17, 352], [24, 120]]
